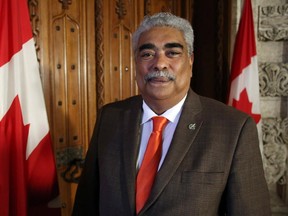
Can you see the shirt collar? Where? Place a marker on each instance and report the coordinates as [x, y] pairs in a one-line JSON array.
[[170, 114]]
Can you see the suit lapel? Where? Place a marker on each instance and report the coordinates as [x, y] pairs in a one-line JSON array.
[[188, 126], [131, 141]]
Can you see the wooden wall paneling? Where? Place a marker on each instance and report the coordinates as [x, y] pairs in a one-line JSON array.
[[119, 19], [223, 49], [182, 8], [115, 22], [155, 6], [187, 7], [64, 32], [90, 65], [99, 40], [66, 85], [211, 69]]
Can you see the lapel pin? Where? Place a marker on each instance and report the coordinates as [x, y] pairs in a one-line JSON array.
[[192, 126]]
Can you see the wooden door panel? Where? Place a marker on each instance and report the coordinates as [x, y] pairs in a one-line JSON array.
[[64, 32], [119, 23]]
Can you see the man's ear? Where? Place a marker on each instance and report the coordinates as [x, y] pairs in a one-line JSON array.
[[191, 61]]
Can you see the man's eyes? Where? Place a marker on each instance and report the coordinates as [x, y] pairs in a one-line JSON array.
[[151, 54], [173, 53], [147, 55]]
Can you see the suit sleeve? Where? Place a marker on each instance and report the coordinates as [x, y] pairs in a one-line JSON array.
[[87, 198], [246, 192]]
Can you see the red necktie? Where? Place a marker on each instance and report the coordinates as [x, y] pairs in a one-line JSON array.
[[150, 163]]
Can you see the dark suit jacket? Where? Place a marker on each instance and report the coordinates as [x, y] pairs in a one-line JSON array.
[[213, 166]]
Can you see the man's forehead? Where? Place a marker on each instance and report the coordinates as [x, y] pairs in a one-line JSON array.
[[161, 36], [162, 32]]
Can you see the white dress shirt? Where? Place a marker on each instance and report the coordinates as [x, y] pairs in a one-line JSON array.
[[173, 115]]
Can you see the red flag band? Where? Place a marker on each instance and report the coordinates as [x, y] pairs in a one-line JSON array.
[[28, 174], [244, 83], [244, 79]]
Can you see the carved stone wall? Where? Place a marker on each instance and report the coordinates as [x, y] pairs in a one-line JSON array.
[[272, 35], [271, 28], [273, 22]]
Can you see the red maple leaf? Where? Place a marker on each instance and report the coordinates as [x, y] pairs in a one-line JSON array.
[[26, 183], [13, 142], [245, 105]]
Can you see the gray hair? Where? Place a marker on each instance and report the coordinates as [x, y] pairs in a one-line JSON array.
[[165, 19]]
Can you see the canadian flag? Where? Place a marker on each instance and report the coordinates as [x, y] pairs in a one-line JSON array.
[[28, 179], [244, 81]]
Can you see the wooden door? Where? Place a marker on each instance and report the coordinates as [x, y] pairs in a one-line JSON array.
[[120, 19], [64, 33]]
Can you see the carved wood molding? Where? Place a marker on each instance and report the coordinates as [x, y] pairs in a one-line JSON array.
[[273, 23], [147, 7], [65, 3], [120, 9], [273, 79], [99, 54], [35, 24], [167, 7]]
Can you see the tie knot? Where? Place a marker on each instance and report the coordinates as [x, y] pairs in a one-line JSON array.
[[159, 122]]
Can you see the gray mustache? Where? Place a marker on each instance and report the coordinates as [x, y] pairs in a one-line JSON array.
[[157, 74]]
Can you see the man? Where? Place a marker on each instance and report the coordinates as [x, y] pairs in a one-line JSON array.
[[210, 161]]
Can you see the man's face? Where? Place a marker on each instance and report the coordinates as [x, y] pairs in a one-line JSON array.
[[163, 49]]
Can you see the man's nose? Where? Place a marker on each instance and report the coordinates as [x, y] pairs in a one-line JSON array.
[[160, 62]]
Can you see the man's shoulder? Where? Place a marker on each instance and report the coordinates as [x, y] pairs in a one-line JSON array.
[[127, 103], [214, 107]]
